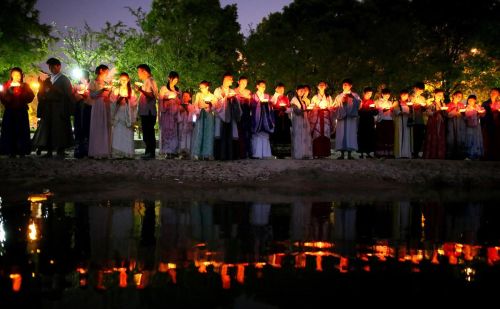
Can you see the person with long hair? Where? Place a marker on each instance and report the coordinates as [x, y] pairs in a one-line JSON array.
[[100, 119], [168, 107], [435, 138], [301, 128], [402, 133], [321, 119], [123, 118], [384, 147], [244, 95], [366, 126], [15, 97], [83, 112], [455, 127], [490, 125], [262, 122], [281, 139], [202, 147], [347, 105], [186, 120], [473, 136]]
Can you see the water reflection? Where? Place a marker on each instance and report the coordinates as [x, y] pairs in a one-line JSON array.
[[214, 252]]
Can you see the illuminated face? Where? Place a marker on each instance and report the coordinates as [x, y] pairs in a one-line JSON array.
[[174, 81], [55, 69], [346, 87], [243, 83], [123, 81], [16, 76], [439, 96], [103, 74], [203, 88], [404, 97], [457, 97], [494, 94], [186, 97], [321, 87], [300, 92], [368, 95], [280, 90], [386, 96], [471, 102], [228, 81], [261, 87], [143, 75]]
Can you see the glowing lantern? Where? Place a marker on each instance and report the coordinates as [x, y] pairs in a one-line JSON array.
[[1, 88], [77, 73], [35, 86]]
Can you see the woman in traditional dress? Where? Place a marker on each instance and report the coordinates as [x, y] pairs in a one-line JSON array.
[[15, 96], [204, 129], [100, 119], [346, 111], [366, 126], [402, 135], [281, 138], [169, 103], [455, 128], [83, 112], [321, 119], [490, 125], [123, 118], [435, 138], [244, 95], [473, 135], [301, 128], [262, 122], [186, 119], [385, 126]]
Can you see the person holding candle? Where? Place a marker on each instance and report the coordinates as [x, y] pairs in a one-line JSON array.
[[56, 103], [186, 120], [321, 122], [204, 129], [147, 108], [385, 125], [100, 119], [346, 134], [473, 135], [83, 112], [228, 114], [281, 138], [366, 126], [244, 95], [402, 137], [169, 104], [455, 128], [15, 96], [435, 139], [418, 107], [262, 122], [301, 128], [123, 118]]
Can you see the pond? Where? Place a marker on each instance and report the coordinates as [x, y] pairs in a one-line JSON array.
[[226, 254]]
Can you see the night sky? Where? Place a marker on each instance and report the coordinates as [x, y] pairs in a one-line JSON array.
[[97, 12]]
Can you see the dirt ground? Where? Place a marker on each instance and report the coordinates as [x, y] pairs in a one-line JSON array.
[[250, 180]]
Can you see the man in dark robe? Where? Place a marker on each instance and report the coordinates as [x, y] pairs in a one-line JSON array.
[[56, 105]]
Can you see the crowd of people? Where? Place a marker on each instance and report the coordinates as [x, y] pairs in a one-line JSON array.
[[98, 118]]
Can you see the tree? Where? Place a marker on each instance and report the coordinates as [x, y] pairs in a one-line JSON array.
[[24, 41]]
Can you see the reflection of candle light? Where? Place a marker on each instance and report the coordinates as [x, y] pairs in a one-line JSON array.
[[16, 282], [32, 235], [123, 277], [138, 280]]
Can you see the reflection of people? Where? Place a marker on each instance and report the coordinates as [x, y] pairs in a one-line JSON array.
[[56, 101], [16, 96]]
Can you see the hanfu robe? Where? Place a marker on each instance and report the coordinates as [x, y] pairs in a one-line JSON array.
[[228, 113], [81, 124], [384, 145], [473, 135], [281, 138], [301, 130], [56, 105], [455, 131], [490, 125], [202, 146], [244, 125], [186, 119], [402, 133], [419, 117], [168, 110], [15, 138], [346, 137], [100, 121], [123, 118], [322, 126], [262, 125], [435, 138], [366, 126]]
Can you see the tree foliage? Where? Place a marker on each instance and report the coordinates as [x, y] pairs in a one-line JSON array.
[[24, 41], [379, 42]]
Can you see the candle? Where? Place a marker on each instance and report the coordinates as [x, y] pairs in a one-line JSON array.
[[194, 118], [138, 84], [444, 108], [1, 88]]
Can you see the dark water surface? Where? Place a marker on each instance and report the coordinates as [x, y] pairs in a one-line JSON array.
[[197, 254]]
